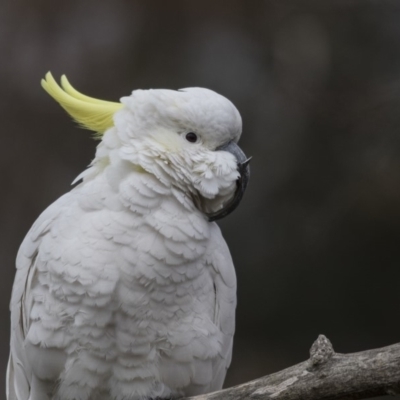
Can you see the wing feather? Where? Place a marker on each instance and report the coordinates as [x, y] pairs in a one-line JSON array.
[[225, 305], [19, 373]]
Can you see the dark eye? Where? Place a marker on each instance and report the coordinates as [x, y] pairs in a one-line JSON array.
[[191, 137]]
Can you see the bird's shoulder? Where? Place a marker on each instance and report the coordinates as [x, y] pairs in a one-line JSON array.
[[28, 250]]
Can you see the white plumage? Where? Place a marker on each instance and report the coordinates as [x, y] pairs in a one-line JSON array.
[[124, 290]]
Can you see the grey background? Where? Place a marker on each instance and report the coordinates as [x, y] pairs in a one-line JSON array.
[[316, 239]]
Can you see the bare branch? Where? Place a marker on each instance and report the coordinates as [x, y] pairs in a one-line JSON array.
[[325, 376]]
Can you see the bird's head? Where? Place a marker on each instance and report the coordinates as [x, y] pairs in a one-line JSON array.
[[186, 138]]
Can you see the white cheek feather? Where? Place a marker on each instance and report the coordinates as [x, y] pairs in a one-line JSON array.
[[170, 142], [215, 174]]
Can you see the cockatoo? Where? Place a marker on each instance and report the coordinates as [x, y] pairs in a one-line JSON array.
[[125, 288]]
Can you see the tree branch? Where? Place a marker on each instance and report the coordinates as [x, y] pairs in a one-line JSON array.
[[325, 376]]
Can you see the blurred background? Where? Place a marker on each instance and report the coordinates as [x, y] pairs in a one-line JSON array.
[[316, 239]]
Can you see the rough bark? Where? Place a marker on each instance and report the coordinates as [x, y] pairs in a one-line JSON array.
[[325, 376]]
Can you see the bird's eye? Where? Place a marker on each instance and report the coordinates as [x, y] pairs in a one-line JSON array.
[[191, 137]]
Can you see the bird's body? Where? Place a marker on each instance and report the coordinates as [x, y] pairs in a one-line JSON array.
[[124, 290]]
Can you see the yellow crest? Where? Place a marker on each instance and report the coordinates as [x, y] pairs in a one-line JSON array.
[[93, 114]]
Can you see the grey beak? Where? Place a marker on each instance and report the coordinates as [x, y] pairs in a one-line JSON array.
[[244, 171]]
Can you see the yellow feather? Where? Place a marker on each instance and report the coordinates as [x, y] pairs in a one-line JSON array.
[[93, 114]]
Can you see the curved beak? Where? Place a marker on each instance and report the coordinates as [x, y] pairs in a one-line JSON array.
[[244, 171]]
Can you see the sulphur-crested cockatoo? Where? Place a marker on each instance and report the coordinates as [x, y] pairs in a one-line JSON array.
[[125, 288]]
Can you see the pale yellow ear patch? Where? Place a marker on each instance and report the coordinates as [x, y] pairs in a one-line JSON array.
[[93, 114]]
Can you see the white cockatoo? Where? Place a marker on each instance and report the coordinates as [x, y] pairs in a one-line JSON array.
[[125, 289]]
